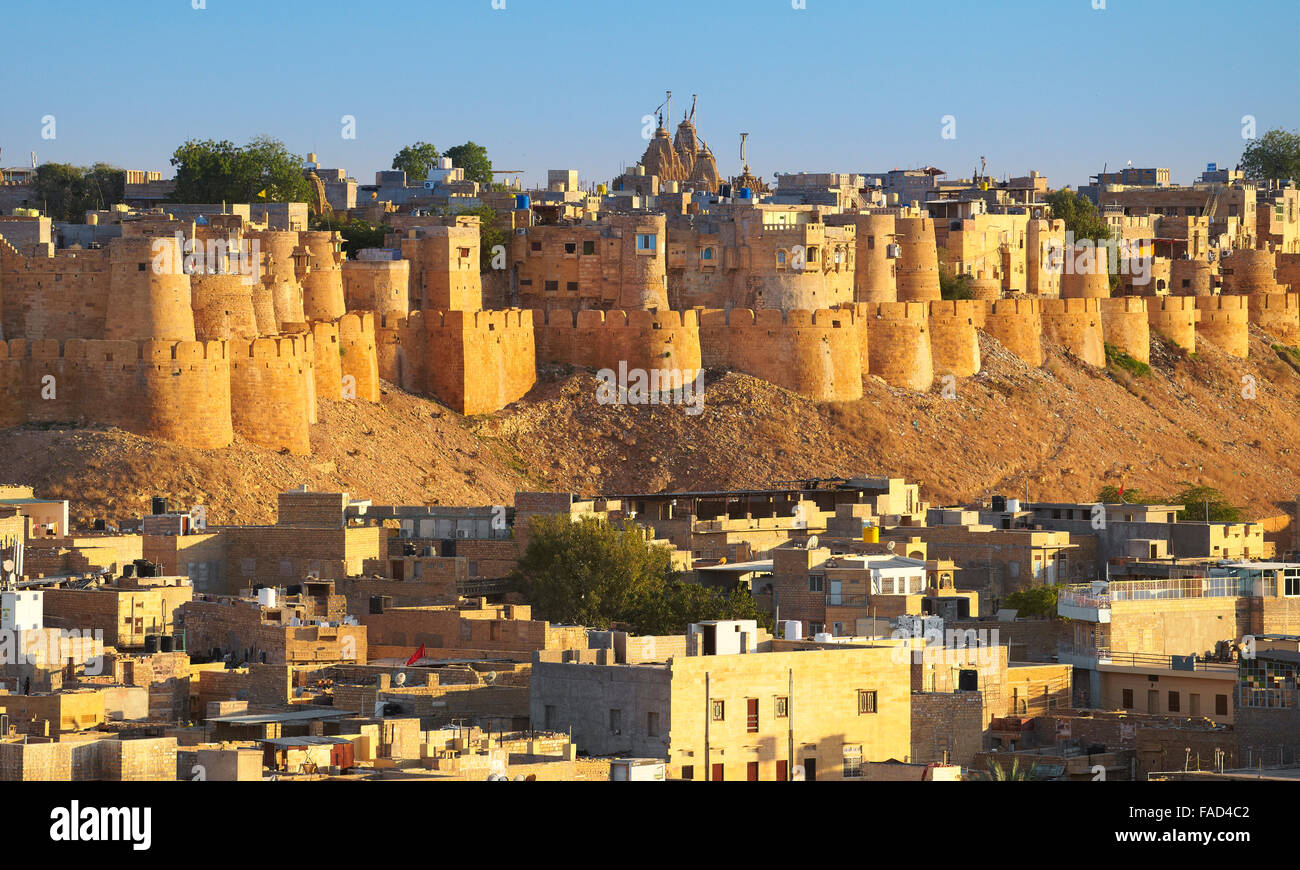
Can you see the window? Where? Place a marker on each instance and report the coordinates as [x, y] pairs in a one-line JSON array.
[[688, 771], [142, 267], [866, 702], [816, 582], [780, 259], [1220, 705], [1175, 702], [588, 248], [816, 628], [652, 724], [571, 286], [536, 246], [646, 241], [852, 762], [706, 254], [615, 721], [871, 243], [463, 252], [552, 286], [781, 708], [719, 711], [570, 247], [1291, 581], [751, 715]]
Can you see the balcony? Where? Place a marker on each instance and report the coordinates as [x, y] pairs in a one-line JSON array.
[[1083, 603], [1092, 657]]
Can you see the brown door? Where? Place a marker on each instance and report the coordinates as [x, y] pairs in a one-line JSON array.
[[751, 715], [782, 770], [717, 773], [751, 772]]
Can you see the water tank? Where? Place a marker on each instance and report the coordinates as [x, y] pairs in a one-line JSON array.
[[166, 643], [793, 629], [523, 202], [870, 534], [150, 643], [601, 189], [744, 193], [999, 502], [266, 597], [1013, 505], [159, 505], [823, 637]]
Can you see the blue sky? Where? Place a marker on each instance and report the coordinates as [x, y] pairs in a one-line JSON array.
[[843, 85]]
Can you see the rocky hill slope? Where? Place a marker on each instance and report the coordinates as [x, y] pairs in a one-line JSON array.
[[1060, 431]]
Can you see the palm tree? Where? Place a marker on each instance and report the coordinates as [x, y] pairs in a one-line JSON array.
[[1015, 773]]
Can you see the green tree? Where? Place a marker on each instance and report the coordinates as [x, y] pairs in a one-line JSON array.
[[491, 233], [211, 171], [1201, 501], [954, 286], [1034, 601], [1079, 213], [473, 158], [357, 233], [416, 161], [995, 772], [67, 192], [596, 573], [1275, 155]]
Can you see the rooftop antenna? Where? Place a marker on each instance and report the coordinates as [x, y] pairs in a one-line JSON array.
[[743, 161], [694, 97]]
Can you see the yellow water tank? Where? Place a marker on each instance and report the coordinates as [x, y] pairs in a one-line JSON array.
[[871, 534]]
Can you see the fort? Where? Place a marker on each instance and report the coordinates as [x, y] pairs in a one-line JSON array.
[[809, 301]]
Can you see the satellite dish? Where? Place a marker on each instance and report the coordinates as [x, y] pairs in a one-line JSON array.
[[401, 678], [812, 542], [890, 546], [490, 677], [8, 565]]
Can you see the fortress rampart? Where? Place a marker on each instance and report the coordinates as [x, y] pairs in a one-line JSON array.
[[1126, 325], [602, 339], [1076, 325], [1277, 314], [381, 286], [918, 263], [814, 353], [898, 344], [1191, 278], [1249, 271], [1018, 325], [222, 307], [270, 391], [1225, 322], [1288, 270], [1175, 318], [954, 343], [280, 273], [321, 276]]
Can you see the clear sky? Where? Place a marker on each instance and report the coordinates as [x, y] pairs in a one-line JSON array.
[[840, 85]]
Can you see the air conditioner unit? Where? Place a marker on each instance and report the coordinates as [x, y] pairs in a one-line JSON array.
[[893, 252], [462, 533]]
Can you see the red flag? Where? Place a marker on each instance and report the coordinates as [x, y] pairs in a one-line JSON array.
[[1121, 490], [419, 654]]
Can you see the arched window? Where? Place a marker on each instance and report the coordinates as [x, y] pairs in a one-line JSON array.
[[780, 258], [706, 254]]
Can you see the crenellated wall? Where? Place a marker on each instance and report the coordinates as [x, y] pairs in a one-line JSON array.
[[1076, 325], [1175, 318], [178, 391], [1278, 314], [381, 286], [874, 278], [1225, 322], [475, 362], [1084, 275], [148, 291], [280, 248], [813, 353], [954, 343], [269, 391], [321, 275], [358, 355], [327, 361], [1126, 326], [602, 339], [61, 296], [898, 344], [1017, 324]]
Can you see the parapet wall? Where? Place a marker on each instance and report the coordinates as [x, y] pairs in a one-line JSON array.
[[603, 339], [475, 362], [1076, 325], [1017, 324], [270, 391], [1175, 318], [381, 286], [898, 344], [954, 342], [1126, 325], [813, 353], [178, 391], [1225, 322], [1278, 314]]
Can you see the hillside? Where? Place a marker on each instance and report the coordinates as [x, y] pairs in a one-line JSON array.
[[1062, 430]]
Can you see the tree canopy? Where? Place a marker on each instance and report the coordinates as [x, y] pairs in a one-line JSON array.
[[67, 192], [595, 573], [1198, 501], [473, 158], [1079, 213], [416, 161], [1275, 155], [212, 171]]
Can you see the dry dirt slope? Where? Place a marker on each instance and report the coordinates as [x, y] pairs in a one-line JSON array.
[[1062, 430]]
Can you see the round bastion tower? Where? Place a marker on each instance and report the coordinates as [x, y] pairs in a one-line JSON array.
[[322, 285], [148, 291], [918, 263]]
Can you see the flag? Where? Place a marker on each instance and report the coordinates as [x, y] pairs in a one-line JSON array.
[[419, 654], [374, 194], [262, 193], [1121, 490]]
